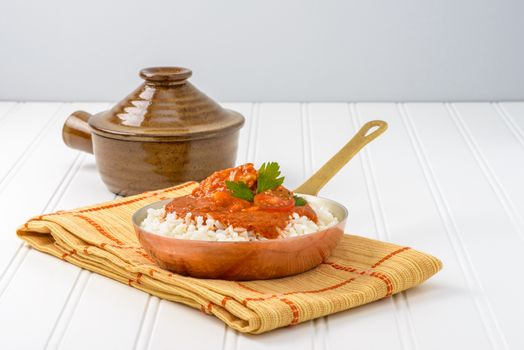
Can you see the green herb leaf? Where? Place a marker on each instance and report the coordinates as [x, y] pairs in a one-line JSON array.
[[240, 190], [268, 177], [299, 201]]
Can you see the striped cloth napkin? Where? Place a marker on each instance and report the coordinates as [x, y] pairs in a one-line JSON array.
[[101, 239]]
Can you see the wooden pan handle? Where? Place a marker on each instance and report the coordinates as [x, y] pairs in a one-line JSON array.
[[315, 183]]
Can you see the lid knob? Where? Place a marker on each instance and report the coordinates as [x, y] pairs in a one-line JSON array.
[[165, 75]]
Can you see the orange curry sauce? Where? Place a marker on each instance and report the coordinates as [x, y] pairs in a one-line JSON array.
[[268, 211]]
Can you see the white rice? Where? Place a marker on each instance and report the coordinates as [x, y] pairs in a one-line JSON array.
[[209, 229]]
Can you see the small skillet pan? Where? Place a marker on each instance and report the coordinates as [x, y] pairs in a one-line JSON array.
[[266, 259]]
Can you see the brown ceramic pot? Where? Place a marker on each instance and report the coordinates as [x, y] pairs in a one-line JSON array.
[[164, 133]]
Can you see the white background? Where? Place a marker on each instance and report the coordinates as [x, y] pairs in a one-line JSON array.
[[270, 50]]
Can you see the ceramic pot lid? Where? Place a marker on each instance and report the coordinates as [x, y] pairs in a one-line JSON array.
[[165, 107]]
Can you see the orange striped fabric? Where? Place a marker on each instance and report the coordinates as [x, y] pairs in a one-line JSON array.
[[101, 238]]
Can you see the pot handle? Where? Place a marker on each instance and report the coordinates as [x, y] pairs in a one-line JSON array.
[[76, 132], [370, 131]]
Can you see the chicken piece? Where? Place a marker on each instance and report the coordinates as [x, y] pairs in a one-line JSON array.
[[217, 181]]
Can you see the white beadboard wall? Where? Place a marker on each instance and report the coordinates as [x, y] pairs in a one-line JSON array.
[[444, 179]]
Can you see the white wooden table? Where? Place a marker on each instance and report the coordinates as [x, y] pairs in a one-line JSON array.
[[446, 178]]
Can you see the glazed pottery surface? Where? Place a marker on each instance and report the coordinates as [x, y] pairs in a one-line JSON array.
[[160, 164], [243, 260], [164, 133]]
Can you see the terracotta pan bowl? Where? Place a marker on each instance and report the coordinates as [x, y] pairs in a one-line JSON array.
[[259, 259], [242, 261]]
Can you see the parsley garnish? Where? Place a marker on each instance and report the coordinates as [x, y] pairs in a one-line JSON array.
[[268, 177], [240, 190], [299, 201]]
